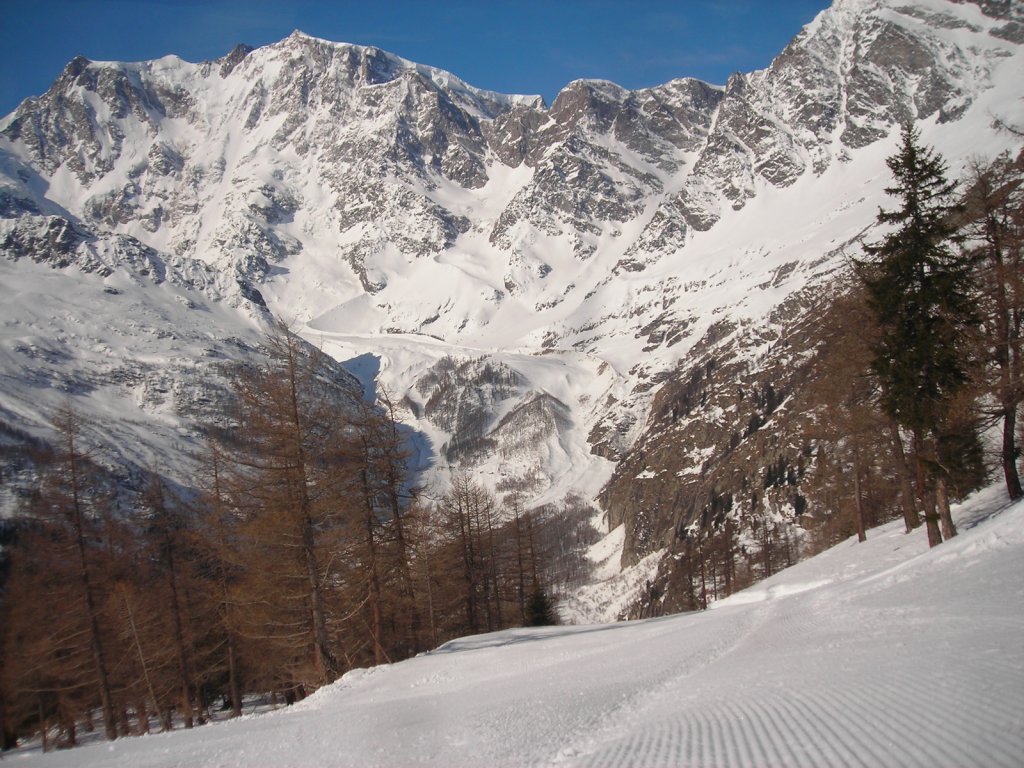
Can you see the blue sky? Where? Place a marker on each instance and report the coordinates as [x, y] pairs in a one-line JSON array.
[[511, 47]]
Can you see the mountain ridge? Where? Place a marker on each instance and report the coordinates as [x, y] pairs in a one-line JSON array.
[[597, 246]]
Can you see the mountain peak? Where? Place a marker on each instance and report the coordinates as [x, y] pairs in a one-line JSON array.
[[76, 66], [366, 194], [234, 57]]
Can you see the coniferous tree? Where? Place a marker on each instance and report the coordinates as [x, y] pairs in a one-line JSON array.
[[8, 729], [539, 610], [462, 514], [860, 478], [61, 661], [996, 206], [219, 549], [380, 430], [919, 290], [167, 534], [374, 457], [285, 457], [69, 502]]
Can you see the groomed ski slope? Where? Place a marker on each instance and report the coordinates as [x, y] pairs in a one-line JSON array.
[[876, 654]]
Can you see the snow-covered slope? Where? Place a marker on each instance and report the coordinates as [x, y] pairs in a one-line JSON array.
[[397, 216], [877, 654]]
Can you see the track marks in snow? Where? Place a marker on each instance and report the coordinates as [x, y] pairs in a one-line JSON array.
[[843, 677], [685, 654], [853, 726]]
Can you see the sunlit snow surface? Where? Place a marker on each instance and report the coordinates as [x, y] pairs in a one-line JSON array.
[[876, 654]]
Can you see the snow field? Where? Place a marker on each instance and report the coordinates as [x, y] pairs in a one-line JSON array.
[[880, 654], [783, 241]]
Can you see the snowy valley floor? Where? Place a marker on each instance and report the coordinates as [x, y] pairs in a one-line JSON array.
[[878, 654]]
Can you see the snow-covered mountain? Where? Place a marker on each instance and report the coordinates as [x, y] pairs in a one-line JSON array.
[[870, 655], [586, 253]]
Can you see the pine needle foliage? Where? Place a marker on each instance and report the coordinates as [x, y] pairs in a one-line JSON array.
[[919, 289]]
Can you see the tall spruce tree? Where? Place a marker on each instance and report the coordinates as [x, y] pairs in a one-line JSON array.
[[919, 290]]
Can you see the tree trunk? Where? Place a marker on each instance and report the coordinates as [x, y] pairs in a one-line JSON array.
[[43, 728], [858, 495], [468, 564], [911, 519], [98, 657], [324, 661], [124, 722], [729, 562], [927, 498], [492, 568], [70, 729], [520, 565], [1007, 352], [703, 572], [931, 517], [430, 601], [372, 577], [142, 718], [394, 467], [225, 594], [68, 424], [714, 571], [142, 660], [184, 678], [766, 547], [236, 696], [942, 501], [1008, 454], [407, 590], [7, 738]]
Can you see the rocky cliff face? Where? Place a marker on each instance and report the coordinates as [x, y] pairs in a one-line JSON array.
[[602, 248], [307, 139]]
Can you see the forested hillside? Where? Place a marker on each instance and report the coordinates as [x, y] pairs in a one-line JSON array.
[[886, 396]]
